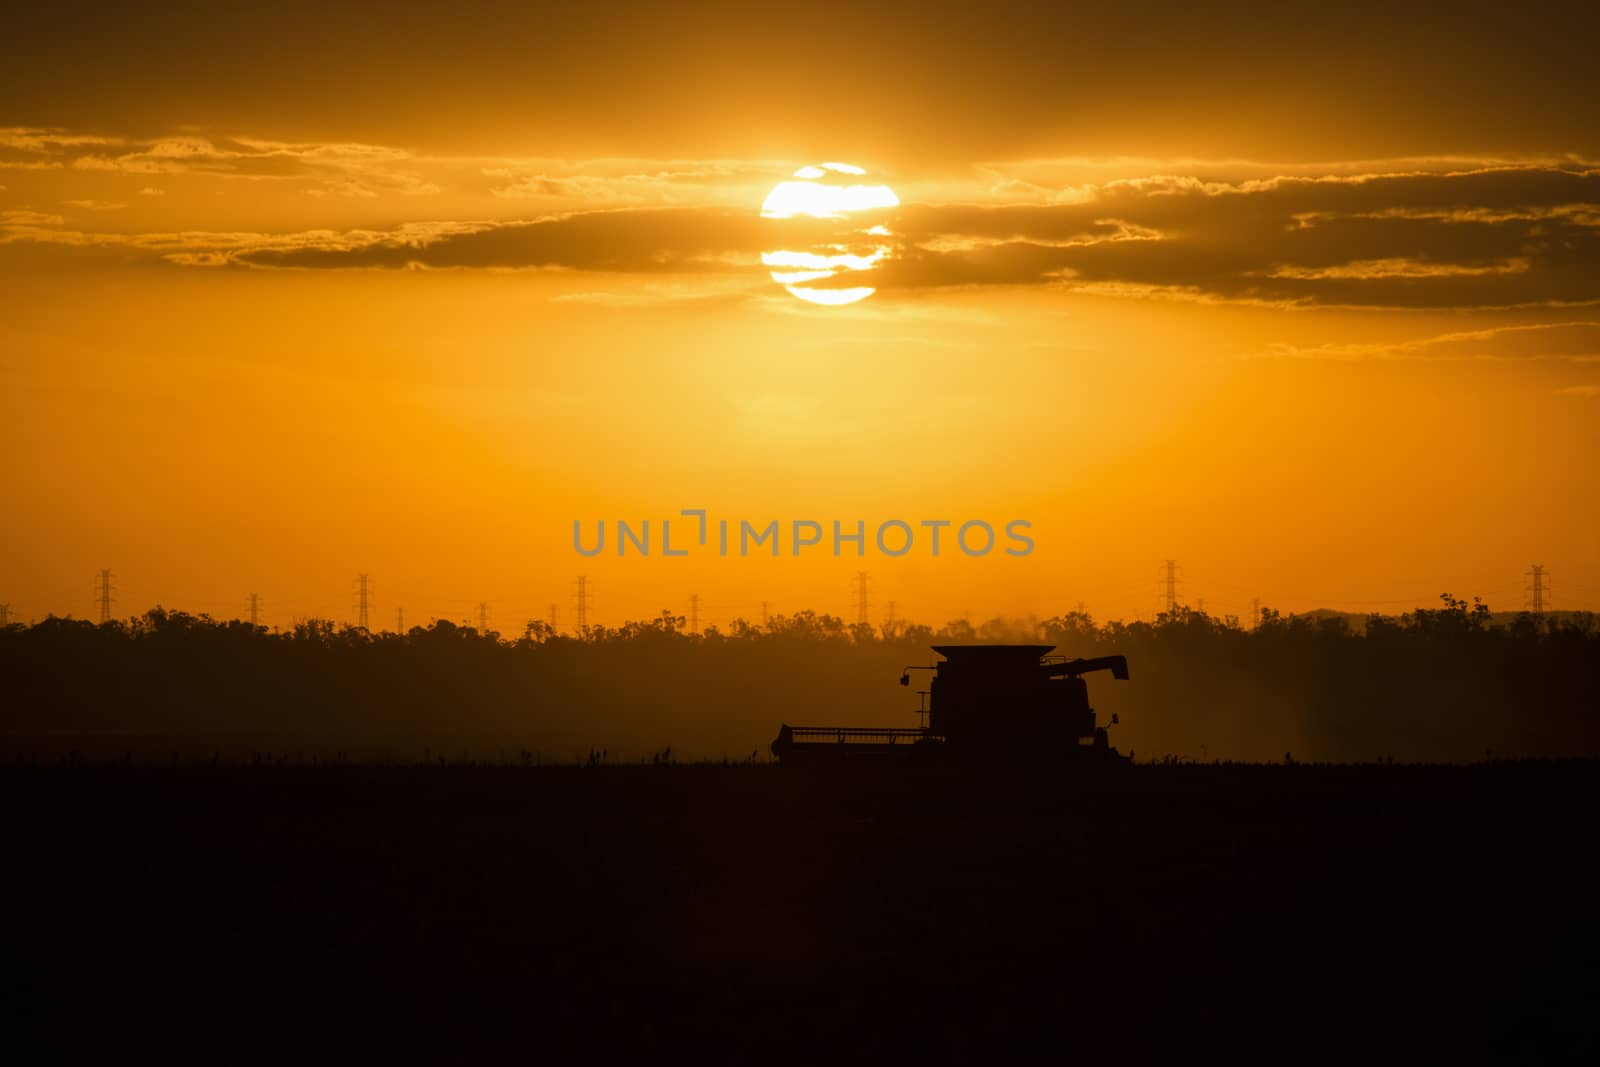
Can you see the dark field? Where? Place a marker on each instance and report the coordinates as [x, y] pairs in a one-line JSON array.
[[755, 913]]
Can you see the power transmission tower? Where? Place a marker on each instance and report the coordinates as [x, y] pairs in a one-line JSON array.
[[104, 595], [888, 614], [861, 598], [1170, 585], [399, 620], [1200, 605], [763, 613], [483, 616], [694, 613], [363, 584], [583, 603], [553, 625], [255, 610], [1540, 586], [1255, 612], [5, 615]]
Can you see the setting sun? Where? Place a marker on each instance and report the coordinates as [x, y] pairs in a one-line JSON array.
[[829, 270]]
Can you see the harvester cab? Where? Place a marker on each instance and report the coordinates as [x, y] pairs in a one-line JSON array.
[[996, 702]]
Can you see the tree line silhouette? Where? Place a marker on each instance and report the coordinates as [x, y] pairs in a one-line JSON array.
[[1447, 684]]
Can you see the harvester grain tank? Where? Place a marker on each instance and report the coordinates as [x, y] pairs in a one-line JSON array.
[[993, 702]]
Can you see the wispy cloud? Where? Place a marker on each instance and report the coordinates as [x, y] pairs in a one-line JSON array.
[[365, 171], [19, 221], [656, 294], [1574, 340], [349, 168]]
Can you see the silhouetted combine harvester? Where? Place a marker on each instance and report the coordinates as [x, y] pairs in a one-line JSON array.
[[995, 703]]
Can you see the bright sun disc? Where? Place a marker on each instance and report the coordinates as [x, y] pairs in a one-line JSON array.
[[833, 232]]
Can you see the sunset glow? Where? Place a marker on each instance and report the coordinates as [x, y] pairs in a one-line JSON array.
[[914, 532], [266, 330]]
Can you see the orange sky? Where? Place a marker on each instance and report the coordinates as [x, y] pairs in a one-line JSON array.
[[407, 297]]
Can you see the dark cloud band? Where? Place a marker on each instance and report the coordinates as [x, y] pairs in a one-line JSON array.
[[1486, 237], [1510, 236]]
